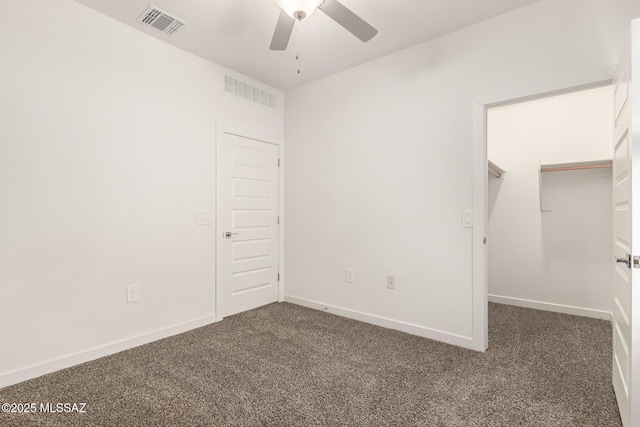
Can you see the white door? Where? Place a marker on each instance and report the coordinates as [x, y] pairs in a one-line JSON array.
[[247, 223], [626, 233]]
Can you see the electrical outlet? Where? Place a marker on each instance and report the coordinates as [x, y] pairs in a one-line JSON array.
[[348, 276], [133, 293], [391, 282]]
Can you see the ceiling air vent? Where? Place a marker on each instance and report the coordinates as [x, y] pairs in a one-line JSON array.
[[160, 20], [248, 92]]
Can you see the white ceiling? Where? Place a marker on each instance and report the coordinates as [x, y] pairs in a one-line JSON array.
[[235, 34]]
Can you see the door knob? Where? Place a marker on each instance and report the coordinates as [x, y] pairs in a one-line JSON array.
[[228, 234], [626, 260]]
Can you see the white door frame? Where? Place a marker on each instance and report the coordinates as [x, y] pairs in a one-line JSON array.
[[221, 130], [480, 263], [480, 258]]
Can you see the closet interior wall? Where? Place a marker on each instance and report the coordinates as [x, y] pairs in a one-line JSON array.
[[558, 259]]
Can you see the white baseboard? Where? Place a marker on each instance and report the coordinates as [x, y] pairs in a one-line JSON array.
[[34, 371], [548, 306], [458, 340]]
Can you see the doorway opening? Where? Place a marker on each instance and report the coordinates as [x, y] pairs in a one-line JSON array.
[[549, 215]]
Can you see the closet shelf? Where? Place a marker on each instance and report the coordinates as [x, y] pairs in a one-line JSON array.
[[546, 200], [495, 170], [558, 167]]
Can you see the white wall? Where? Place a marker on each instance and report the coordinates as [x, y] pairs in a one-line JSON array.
[[107, 150], [379, 160], [559, 259]]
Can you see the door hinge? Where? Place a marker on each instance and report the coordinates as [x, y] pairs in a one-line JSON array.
[[278, 277], [278, 220], [278, 162]]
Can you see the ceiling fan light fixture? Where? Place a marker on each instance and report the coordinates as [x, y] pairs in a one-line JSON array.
[[299, 9]]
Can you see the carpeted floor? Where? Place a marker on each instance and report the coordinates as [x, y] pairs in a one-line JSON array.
[[284, 365]]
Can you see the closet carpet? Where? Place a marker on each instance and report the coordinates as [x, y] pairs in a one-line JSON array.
[[285, 365]]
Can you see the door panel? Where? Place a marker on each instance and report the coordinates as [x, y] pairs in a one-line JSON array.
[[626, 237], [251, 189], [621, 94], [248, 220], [248, 200], [251, 280]]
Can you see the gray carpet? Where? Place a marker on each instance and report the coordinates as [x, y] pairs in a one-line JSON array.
[[284, 365]]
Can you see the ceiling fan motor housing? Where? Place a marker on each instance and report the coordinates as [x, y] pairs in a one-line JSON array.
[[292, 10], [299, 9]]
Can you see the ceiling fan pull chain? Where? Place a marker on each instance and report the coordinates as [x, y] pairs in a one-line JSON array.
[[298, 53]]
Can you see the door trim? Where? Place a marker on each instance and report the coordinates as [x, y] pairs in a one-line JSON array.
[[480, 256], [221, 130]]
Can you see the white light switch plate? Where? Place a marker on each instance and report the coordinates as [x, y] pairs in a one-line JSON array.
[[467, 219], [204, 217]]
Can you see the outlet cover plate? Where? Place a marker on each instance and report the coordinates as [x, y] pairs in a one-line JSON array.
[[133, 293], [391, 282], [348, 275]]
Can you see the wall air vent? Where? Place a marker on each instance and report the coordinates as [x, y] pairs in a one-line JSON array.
[[247, 92], [161, 21]]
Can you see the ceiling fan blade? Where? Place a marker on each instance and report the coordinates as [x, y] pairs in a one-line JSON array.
[[349, 20], [282, 34]]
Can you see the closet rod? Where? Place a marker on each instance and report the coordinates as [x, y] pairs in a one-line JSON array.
[[495, 170], [494, 173], [573, 168]]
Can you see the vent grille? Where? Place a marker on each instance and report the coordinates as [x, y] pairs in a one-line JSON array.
[[249, 93], [160, 20]]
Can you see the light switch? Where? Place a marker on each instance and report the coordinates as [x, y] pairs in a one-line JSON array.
[[467, 219], [204, 217]]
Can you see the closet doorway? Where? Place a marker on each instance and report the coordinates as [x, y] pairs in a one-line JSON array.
[[549, 213]]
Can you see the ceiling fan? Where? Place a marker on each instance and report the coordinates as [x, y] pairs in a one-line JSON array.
[[292, 10]]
